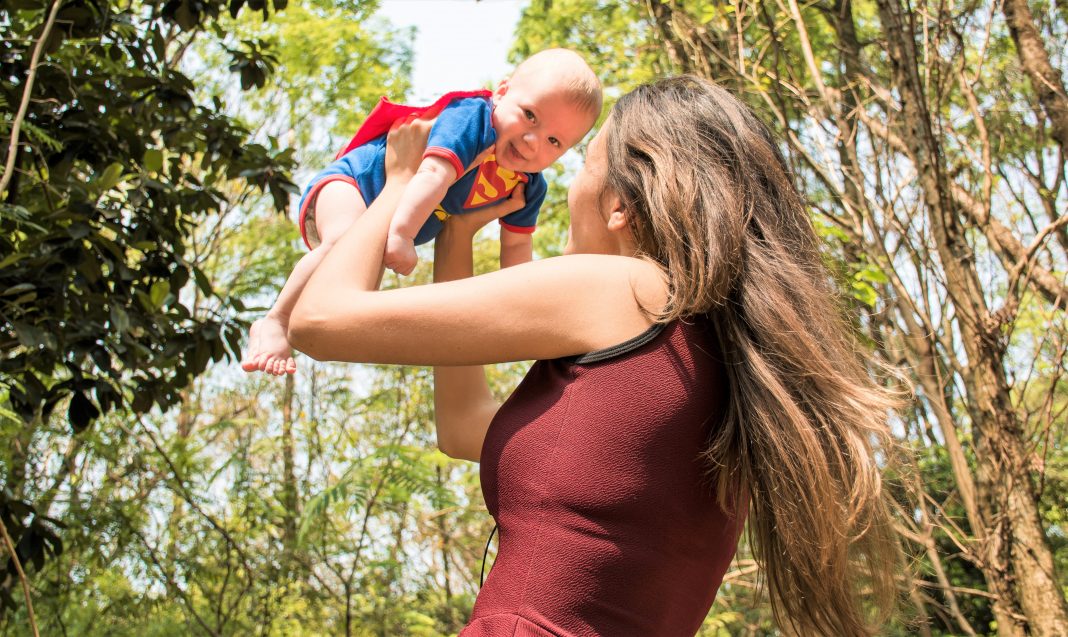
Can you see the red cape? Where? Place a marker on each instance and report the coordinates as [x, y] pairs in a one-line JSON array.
[[386, 112]]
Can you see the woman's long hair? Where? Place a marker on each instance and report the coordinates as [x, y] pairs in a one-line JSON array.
[[711, 199]]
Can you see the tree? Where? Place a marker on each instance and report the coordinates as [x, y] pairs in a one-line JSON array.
[[928, 140], [97, 203], [116, 158]]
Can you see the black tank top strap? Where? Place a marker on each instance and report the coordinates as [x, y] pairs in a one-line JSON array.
[[626, 346]]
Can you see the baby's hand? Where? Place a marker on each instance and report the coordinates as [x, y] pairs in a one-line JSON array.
[[400, 254]]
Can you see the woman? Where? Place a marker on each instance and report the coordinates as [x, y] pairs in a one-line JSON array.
[[692, 369]]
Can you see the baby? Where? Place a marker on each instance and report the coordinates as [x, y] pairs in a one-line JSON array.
[[481, 147]]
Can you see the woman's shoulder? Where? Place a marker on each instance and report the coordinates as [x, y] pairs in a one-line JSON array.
[[633, 277], [609, 298], [611, 268]]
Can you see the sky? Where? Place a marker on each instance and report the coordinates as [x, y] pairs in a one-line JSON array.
[[459, 44]]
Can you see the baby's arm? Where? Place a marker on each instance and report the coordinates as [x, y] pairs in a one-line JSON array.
[[425, 190], [516, 248]]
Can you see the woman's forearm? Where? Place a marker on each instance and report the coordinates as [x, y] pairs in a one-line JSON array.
[[464, 406], [354, 264], [515, 248]]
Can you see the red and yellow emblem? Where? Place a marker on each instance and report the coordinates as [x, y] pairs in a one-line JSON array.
[[492, 183]]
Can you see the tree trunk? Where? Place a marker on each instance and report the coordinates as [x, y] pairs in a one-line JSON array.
[[1017, 558], [1045, 80], [289, 485], [348, 609], [1014, 552]]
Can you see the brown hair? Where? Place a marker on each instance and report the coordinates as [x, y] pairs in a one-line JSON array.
[[710, 199]]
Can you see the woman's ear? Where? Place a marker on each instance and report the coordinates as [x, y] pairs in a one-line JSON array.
[[618, 225], [617, 220], [617, 217]]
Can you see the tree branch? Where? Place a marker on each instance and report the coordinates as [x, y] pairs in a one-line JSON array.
[[16, 125], [22, 578], [1045, 79]]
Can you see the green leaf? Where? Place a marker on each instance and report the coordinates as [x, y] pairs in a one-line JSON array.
[[81, 412], [153, 160], [159, 292], [865, 293], [120, 320], [29, 335], [202, 282], [11, 259], [38, 135], [18, 289], [871, 274], [107, 179], [8, 414], [158, 45]]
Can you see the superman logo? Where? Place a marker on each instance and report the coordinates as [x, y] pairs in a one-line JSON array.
[[492, 183]]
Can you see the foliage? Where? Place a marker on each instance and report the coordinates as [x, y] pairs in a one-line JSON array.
[[932, 153], [99, 208], [123, 158], [141, 221], [99, 205]]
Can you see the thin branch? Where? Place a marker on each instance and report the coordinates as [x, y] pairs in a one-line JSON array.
[[12, 149], [172, 584], [1028, 257], [184, 493], [22, 577]]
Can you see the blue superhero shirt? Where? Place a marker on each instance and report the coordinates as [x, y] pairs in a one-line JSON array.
[[461, 132]]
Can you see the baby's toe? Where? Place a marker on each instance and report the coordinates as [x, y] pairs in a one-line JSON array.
[[261, 361], [252, 363]]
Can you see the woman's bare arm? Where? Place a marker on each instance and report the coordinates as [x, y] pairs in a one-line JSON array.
[[546, 309], [464, 406], [516, 248]]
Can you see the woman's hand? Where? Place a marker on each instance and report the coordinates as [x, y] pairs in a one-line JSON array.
[[405, 145], [462, 228]]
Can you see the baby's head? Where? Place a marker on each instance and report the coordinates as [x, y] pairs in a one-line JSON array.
[[547, 106]]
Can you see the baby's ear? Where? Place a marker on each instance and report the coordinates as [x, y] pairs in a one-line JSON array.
[[502, 88]]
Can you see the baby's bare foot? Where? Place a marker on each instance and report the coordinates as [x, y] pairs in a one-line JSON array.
[[268, 348], [400, 254]]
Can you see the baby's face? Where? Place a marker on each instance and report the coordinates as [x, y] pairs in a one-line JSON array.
[[535, 123]]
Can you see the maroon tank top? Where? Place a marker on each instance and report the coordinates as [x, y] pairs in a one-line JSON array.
[[608, 522]]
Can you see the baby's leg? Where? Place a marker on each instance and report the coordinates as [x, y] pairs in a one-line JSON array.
[[337, 206]]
